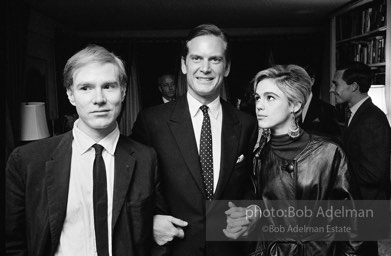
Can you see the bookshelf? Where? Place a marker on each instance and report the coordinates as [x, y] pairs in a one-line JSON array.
[[360, 31]]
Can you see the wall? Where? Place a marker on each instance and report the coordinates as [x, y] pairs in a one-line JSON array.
[[40, 81]]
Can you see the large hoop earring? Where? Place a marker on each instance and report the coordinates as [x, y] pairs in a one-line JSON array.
[[294, 129]]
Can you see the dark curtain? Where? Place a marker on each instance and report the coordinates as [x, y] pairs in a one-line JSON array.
[[132, 103], [16, 18]]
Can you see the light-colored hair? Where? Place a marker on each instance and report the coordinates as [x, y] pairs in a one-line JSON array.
[[93, 54], [292, 80]]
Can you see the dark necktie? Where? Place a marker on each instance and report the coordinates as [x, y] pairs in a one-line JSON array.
[[347, 116], [206, 153], [100, 202]]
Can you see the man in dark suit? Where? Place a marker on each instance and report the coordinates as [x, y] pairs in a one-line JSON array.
[[177, 132], [90, 190], [319, 117], [167, 87], [367, 137]]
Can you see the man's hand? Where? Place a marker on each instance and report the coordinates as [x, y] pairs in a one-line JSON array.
[[166, 227], [240, 220], [237, 223]]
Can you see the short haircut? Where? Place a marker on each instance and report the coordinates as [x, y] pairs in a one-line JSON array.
[[203, 30], [93, 54], [292, 80], [160, 78], [357, 72]]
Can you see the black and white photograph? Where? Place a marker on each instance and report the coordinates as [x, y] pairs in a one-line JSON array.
[[199, 128]]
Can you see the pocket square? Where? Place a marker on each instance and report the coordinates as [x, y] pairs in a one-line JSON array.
[[240, 159]]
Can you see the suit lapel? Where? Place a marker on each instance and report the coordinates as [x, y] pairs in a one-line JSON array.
[[356, 118], [360, 111], [230, 134], [183, 132], [124, 168], [57, 183]]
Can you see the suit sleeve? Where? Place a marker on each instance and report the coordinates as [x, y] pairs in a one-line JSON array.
[[15, 226], [160, 207], [374, 163], [160, 203], [140, 130]]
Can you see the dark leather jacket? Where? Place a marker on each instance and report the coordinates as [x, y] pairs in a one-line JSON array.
[[319, 172]]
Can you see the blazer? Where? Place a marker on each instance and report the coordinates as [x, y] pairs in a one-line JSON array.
[[153, 102], [321, 119], [367, 142], [168, 128], [37, 181]]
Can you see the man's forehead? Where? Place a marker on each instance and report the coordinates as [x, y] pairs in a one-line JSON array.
[[203, 40], [94, 65], [168, 78]]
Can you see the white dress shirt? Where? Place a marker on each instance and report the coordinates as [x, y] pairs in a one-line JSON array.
[[78, 232], [216, 122], [355, 108], [165, 100]]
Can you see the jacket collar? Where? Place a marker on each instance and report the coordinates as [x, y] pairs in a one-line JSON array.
[[230, 135], [356, 117], [182, 129], [124, 169], [57, 184], [58, 175]]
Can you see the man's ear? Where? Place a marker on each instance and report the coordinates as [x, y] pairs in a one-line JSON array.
[[227, 69], [123, 94], [183, 66], [71, 98], [355, 86]]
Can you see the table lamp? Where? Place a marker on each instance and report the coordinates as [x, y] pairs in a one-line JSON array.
[[33, 121]]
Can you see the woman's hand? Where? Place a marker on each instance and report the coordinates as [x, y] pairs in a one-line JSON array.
[[237, 222]]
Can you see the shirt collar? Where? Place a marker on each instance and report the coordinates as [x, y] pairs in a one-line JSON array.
[[194, 106], [165, 100], [356, 106], [85, 142], [306, 106]]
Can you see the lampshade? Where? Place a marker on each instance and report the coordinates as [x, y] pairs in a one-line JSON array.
[[33, 121], [378, 96]]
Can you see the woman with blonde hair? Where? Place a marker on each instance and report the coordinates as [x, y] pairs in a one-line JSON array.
[[290, 165]]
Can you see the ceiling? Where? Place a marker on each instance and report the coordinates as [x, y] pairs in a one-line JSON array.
[[183, 14]]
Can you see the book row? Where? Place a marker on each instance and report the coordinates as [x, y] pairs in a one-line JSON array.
[[361, 20]]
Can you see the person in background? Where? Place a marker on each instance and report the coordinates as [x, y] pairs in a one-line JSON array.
[[90, 191], [366, 138], [319, 117], [291, 165], [247, 103], [167, 87], [204, 147]]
